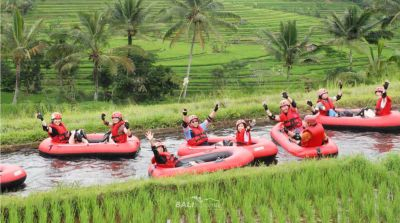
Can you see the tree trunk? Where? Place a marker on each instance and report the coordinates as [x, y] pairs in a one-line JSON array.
[[351, 60], [129, 38], [96, 80], [288, 72], [188, 67], [17, 77]]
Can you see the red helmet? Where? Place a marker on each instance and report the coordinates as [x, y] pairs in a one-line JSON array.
[[284, 102], [379, 89], [311, 119], [322, 91], [116, 115], [241, 121], [56, 115], [192, 118]]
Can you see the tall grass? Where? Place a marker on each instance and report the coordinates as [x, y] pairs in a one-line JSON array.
[[339, 190]]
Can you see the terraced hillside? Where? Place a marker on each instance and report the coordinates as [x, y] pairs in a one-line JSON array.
[[259, 69]]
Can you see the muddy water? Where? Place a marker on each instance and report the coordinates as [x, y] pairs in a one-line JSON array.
[[45, 173]]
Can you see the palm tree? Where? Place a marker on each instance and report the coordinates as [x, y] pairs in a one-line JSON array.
[[94, 36], [285, 45], [349, 29], [391, 8], [132, 15], [198, 19], [21, 44]]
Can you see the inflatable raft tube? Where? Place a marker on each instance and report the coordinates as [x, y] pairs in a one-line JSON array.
[[211, 161], [262, 149], [11, 176], [387, 123], [94, 148], [326, 150]]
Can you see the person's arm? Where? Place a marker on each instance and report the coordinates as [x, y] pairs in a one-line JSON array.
[[385, 86], [127, 130], [157, 157], [184, 118], [291, 100], [212, 115], [44, 124], [103, 118], [313, 110], [269, 114]]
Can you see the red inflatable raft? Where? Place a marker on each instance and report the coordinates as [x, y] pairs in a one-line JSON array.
[[328, 149], [218, 159], [94, 148], [262, 149], [11, 176], [387, 123]]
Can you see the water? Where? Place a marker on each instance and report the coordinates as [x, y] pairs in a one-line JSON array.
[[45, 173]]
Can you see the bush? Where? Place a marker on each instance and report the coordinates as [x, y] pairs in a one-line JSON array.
[[7, 77], [148, 82]]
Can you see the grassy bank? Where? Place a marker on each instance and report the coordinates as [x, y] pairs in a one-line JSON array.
[[19, 126], [337, 190]]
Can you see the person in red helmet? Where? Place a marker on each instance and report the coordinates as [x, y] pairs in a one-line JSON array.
[[312, 135], [243, 136], [289, 115], [384, 104], [59, 132], [194, 132], [119, 128]]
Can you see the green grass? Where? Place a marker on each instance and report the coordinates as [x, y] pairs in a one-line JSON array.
[[332, 190], [19, 125], [262, 70]]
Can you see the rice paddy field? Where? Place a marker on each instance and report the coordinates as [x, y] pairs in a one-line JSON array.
[[260, 71], [335, 190]]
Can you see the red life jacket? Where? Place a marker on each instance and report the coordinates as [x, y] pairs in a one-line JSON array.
[[63, 134], [171, 160], [291, 120], [317, 136], [240, 137], [385, 110], [198, 138], [117, 136], [328, 104]]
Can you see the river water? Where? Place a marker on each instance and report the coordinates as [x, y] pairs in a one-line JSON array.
[[45, 173]]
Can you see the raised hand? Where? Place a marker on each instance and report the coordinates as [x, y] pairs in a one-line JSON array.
[[184, 112], [340, 85], [216, 107], [265, 106], [126, 124], [39, 116], [309, 103], [285, 95], [149, 135], [386, 85], [103, 116]]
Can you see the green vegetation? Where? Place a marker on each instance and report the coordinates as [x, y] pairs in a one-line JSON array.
[[26, 128], [261, 71], [334, 190]]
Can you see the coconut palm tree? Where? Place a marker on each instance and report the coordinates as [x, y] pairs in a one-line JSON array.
[[390, 8], [350, 28], [131, 15], [197, 19], [93, 36], [285, 45], [20, 43]]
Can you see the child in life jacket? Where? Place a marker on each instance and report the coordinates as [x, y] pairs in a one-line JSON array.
[[161, 157], [312, 135], [194, 132], [119, 128], [59, 132], [384, 104], [243, 136], [289, 115]]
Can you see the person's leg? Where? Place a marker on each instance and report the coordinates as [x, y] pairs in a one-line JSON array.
[[71, 139]]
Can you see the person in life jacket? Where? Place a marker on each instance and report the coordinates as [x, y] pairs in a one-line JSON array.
[[243, 136], [194, 132], [161, 157], [289, 115], [325, 104], [384, 104], [312, 135], [119, 128], [59, 132]]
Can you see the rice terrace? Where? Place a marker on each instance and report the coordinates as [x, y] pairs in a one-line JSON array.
[[200, 111]]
